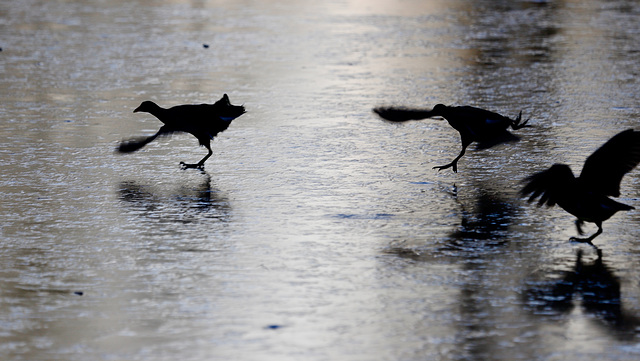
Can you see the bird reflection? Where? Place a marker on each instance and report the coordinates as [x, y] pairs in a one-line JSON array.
[[488, 222], [474, 125], [187, 204], [595, 286], [483, 228]]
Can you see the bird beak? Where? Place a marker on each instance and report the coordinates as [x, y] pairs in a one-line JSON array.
[[136, 110]]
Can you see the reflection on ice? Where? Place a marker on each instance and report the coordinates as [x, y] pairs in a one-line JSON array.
[[279, 249], [184, 204], [592, 285], [487, 222], [484, 225]]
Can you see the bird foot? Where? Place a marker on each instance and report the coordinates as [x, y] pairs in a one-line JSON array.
[[523, 125], [184, 165], [515, 124], [450, 165]]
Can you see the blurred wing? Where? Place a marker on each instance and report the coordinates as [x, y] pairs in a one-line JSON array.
[[547, 184], [131, 145], [395, 114], [134, 144], [604, 169]]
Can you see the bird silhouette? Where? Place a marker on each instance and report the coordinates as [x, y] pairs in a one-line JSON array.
[[203, 121], [587, 197], [474, 125]]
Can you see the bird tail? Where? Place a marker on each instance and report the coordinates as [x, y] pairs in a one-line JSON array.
[[624, 207], [133, 144], [628, 207], [400, 114]]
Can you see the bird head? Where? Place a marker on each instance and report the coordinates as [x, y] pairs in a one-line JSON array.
[[439, 110], [146, 106]]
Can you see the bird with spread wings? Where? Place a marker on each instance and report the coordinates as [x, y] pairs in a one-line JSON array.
[[587, 196]]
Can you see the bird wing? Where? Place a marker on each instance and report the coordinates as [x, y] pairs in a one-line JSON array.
[[603, 170], [133, 144], [401, 114], [548, 184]]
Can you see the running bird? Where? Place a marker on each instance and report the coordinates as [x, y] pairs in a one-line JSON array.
[[587, 197], [474, 125], [203, 121]]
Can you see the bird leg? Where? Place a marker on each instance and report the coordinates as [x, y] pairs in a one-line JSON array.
[[200, 164], [454, 163], [590, 238]]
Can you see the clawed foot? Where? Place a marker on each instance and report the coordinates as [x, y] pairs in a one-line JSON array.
[[184, 165], [450, 165], [516, 123]]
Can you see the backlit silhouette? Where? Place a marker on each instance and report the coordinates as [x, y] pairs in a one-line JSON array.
[[203, 121], [587, 197], [474, 125]]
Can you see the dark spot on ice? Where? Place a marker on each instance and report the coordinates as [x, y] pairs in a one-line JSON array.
[[365, 216]]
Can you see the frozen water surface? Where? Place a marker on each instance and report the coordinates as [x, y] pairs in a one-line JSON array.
[[317, 231]]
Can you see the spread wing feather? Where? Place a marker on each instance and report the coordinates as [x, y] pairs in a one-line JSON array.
[[603, 170], [547, 184]]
